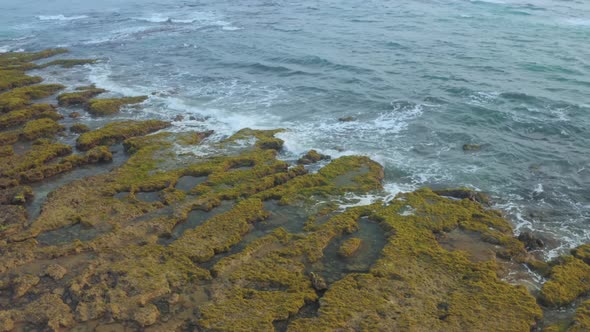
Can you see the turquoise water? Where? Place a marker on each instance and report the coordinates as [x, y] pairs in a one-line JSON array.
[[421, 78]]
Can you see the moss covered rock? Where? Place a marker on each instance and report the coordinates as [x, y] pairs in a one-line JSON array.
[[110, 106], [312, 157], [41, 128], [567, 281], [78, 97], [118, 131], [68, 63], [350, 247], [79, 128], [21, 97]]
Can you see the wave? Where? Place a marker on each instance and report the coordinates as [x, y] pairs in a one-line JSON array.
[[158, 18], [8, 48], [60, 17], [200, 18]]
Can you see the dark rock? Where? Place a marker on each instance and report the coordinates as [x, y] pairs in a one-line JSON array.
[[346, 119], [178, 118], [531, 242], [312, 157], [74, 115]]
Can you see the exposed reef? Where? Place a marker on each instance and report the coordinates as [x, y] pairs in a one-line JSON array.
[[109, 106], [171, 239]]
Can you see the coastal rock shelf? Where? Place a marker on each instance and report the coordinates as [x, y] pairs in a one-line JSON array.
[[243, 241]]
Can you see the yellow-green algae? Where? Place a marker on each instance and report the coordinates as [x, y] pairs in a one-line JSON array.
[[118, 131], [21, 116], [21, 97], [418, 284], [79, 128], [568, 279], [78, 97], [41, 128], [350, 247], [10, 79], [68, 63], [111, 105], [312, 156]]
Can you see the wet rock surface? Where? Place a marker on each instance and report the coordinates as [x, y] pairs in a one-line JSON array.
[[166, 240]]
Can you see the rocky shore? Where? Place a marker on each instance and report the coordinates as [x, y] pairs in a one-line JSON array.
[[238, 240]]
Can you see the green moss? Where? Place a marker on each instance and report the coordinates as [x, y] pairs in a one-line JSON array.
[[21, 116], [582, 318], [79, 128], [23, 60], [221, 232], [68, 63], [78, 98], [418, 283], [350, 247], [582, 252], [265, 139], [22, 167], [111, 105], [264, 286], [118, 131], [6, 151], [568, 280], [41, 128], [10, 79], [20, 97], [312, 157], [92, 156], [9, 137]]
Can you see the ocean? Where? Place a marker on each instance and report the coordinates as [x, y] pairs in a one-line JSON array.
[[416, 80]]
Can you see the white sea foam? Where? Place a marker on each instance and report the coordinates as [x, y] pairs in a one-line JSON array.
[[118, 35], [100, 75], [8, 48], [60, 17], [160, 18], [195, 18]]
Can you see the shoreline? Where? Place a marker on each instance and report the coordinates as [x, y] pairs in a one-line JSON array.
[[241, 239]]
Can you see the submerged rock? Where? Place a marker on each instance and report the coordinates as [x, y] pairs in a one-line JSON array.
[[350, 247], [101, 107], [530, 241], [346, 119], [471, 147], [312, 157]]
